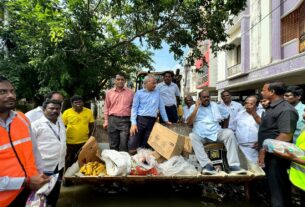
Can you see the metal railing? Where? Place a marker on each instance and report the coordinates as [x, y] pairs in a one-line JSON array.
[[234, 70]]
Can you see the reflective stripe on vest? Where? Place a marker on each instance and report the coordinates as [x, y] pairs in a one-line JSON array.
[[20, 136], [298, 167], [20, 141]]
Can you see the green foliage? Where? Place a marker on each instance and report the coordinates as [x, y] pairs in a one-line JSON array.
[[76, 46]]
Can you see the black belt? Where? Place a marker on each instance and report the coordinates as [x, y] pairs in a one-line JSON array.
[[148, 117], [170, 106], [48, 173], [120, 116]]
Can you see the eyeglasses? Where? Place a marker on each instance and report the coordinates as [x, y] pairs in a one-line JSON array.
[[205, 97]]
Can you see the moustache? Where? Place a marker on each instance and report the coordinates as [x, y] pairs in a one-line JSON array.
[[11, 99], [54, 114]]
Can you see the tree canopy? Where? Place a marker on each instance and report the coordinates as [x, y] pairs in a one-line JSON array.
[[76, 46]]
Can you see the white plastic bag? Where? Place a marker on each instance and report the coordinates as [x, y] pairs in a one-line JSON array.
[[177, 165], [39, 198], [72, 170], [145, 159], [117, 163], [280, 146]]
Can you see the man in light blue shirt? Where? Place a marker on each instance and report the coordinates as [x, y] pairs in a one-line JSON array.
[[205, 117], [293, 96], [170, 93], [144, 112]]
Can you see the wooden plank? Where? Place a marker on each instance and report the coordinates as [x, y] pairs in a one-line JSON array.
[[164, 179]]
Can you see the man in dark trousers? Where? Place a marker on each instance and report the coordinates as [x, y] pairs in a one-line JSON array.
[[278, 122], [170, 95], [117, 113]]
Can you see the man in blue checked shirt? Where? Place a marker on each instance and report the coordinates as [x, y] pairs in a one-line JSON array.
[[144, 111]]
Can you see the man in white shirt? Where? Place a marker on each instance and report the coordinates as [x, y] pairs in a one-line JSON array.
[[50, 134], [205, 116], [186, 109], [170, 96], [232, 107], [246, 124], [37, 112]]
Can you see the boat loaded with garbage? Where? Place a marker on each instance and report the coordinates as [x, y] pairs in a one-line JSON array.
[[170, 160]]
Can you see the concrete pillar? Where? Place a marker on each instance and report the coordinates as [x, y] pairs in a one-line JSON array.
[[276, 30]]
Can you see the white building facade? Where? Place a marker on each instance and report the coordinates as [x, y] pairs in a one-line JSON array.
[[269, 39]]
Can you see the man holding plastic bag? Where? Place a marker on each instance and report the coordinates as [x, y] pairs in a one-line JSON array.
[[50, 134], [279, 123], [297, 167]]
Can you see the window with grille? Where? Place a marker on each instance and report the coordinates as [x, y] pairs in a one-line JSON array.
[[293, 26], [290, 26]]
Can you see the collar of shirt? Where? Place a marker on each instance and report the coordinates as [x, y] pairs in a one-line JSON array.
[[45, 120], [299, 106], [116, 89], [164, 84], [277, 102], [38, 108], [145, 90], [10, 118]]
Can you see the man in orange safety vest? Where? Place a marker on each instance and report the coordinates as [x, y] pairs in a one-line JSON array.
[[18, 172]]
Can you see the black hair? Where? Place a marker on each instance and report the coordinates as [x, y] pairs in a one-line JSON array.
[[168, 72], [225, 91], [295, 90], [257, 99], [277, 87], [49, 95], [188, 96], [121, 74], [76, 98], [2, 79], [50, 101]]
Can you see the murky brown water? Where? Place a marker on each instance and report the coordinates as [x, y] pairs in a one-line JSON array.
[[141, 196]]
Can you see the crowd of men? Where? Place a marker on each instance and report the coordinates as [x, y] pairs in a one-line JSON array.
[[38, 144], [44, 142]]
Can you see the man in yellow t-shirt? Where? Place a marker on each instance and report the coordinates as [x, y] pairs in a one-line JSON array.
[[79, 124]]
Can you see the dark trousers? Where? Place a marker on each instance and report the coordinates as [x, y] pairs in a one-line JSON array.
[[278, 180], [21, 199], [172, 114], [72, 153], [118, 132], [54, 194], [145, 125]]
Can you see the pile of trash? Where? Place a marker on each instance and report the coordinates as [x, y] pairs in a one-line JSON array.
[[171, 155], [115, 163]]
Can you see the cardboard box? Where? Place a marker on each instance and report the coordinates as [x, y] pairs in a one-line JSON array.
[[158, 157], [90, 152], [187, 147], [165, 141]]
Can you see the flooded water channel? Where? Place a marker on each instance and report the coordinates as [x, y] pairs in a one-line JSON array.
[[149, 196]]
